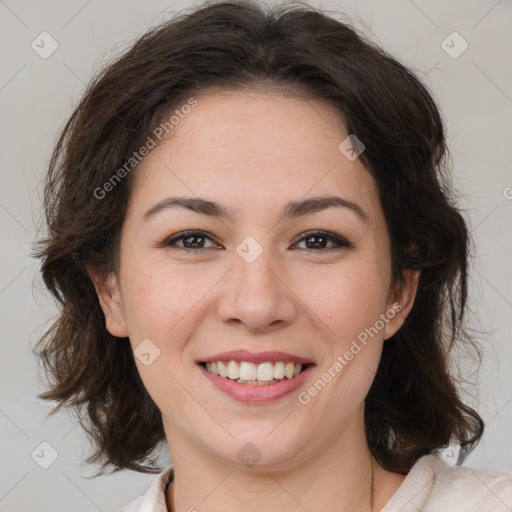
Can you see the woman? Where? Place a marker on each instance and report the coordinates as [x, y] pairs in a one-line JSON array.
[[259, 263]]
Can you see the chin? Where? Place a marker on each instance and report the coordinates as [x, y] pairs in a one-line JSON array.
[[262, 450]]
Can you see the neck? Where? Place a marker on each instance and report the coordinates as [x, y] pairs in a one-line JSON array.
[[355, 482]]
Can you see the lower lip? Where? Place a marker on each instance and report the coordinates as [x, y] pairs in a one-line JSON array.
[[256, 394]]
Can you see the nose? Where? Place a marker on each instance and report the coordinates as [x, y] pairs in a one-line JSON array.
[[257, 297]]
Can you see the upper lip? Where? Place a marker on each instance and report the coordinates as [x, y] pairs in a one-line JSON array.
[[256, 357]]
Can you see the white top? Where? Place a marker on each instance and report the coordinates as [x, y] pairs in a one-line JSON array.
[[430, 486]]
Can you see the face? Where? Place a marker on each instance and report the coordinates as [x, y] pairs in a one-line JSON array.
[[270, 273]]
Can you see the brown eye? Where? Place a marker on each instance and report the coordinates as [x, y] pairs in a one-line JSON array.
[[316, 242], [192, 240], [320, 240]]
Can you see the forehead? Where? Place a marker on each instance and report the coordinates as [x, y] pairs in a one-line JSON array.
[[254, 151]]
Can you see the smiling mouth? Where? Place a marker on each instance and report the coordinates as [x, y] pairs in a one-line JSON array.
[[252, 374]]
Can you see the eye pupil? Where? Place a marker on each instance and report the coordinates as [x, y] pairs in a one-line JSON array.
[[195, 243], [318, 242]]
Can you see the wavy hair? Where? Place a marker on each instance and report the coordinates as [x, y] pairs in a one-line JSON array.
[[414, 406]]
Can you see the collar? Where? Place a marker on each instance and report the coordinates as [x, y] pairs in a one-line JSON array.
[[154, 499]]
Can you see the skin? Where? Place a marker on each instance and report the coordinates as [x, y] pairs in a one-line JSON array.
[[253, 152]]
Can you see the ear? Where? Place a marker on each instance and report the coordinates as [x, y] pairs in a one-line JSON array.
[[109, 296], [401, 301]]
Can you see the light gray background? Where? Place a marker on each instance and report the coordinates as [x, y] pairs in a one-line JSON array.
[[36, 96]]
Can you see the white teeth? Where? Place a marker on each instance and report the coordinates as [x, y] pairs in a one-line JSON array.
[[233, 370], [222, 368], [265, 372], [255, 382], [249, 373], [279, 370]]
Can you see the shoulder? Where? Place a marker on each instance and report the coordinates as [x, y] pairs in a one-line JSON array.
[[431, 485], [470, 489], [154, 498], [134, 506]]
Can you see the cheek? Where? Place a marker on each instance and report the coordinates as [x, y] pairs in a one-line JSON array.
[[159, 305], [347, 300], [167, 302], [156, 299], [348, 303]]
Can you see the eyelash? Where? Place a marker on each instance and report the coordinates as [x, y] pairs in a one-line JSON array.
[[337, 240]]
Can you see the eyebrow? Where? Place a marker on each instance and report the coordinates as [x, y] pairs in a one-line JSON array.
[[291, 210]]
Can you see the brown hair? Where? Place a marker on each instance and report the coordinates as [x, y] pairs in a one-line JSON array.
[[413, 407]]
